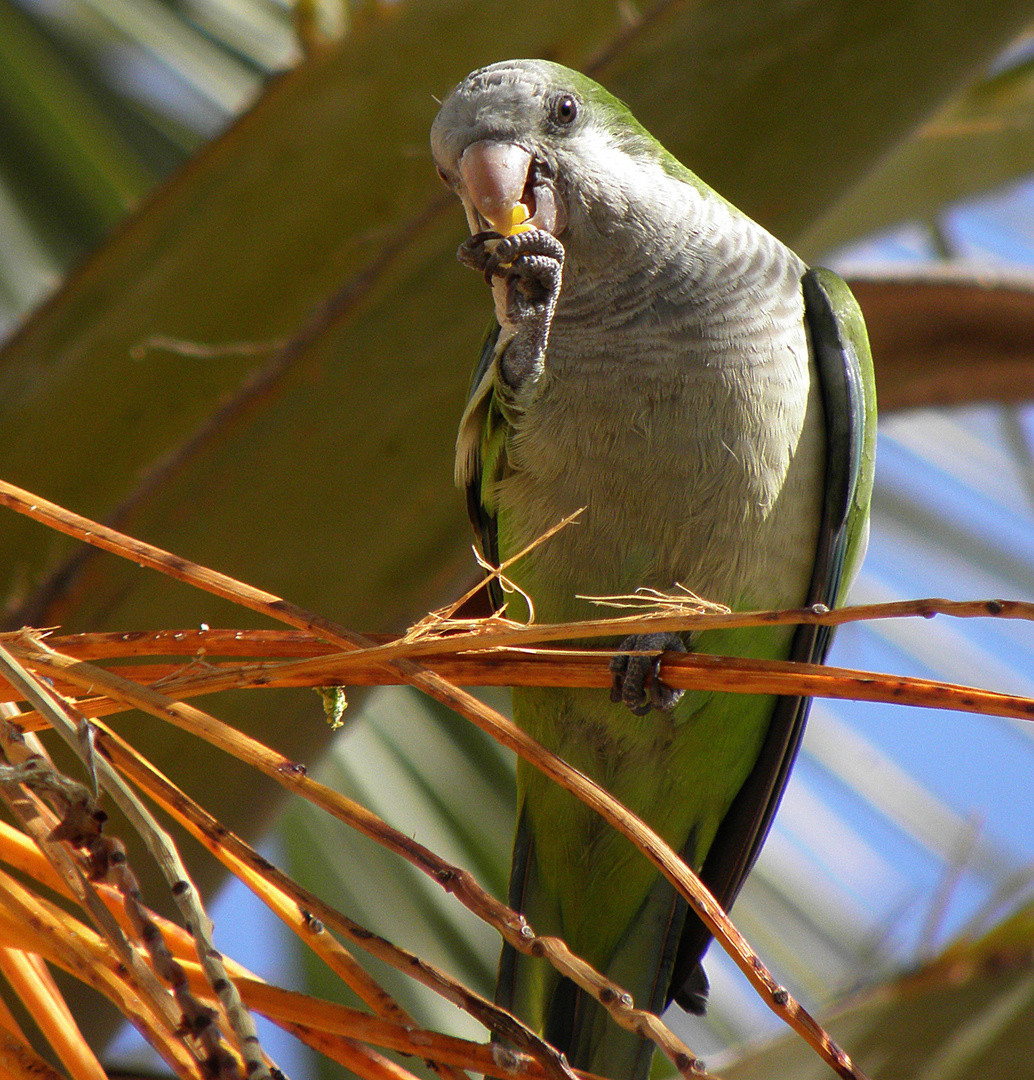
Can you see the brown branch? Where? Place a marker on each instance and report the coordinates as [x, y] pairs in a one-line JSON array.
[[453, 879], [30, 980], [552, 667], [201, 577], [279, 644], [20, 1062], [105, 857], [294, 905], [193, 642], [948, 334], [36, 925], [490, 721], [281, 1006]]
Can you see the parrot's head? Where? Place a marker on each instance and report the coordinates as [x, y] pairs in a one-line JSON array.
[[529, 144]]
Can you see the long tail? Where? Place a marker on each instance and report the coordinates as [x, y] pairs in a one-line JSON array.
[[568, 1017]]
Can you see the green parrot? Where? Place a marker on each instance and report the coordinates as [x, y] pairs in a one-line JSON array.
[[664, 362]]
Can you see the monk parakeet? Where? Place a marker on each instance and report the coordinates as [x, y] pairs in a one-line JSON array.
[[664, 362]]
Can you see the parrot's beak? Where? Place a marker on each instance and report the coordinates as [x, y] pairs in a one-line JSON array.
[[504, 193]]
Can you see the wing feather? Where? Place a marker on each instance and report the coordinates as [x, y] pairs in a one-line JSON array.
[[844, 366], [480, 452]]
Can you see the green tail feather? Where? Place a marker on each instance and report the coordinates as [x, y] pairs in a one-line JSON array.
[[565, 1015]]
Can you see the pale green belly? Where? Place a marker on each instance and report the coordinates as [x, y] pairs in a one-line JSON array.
[[678, 771]]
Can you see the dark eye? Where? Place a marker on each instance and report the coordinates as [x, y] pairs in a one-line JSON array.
[[565, 109], [441, 175]]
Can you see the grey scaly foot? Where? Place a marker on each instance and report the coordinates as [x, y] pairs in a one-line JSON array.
[[531, 264], [636, 678]]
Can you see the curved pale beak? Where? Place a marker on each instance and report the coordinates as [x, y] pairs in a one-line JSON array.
[[501, 191]]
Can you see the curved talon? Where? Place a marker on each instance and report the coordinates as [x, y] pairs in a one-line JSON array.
[[493, 266], [506, 252], [524, 254], [535, 278], [474, 253], [530, 264], [637, 680]]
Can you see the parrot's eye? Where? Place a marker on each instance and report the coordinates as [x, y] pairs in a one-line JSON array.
[[441, 176], [565, 109]]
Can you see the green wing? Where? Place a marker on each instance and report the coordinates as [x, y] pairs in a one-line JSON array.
[[844, 365], [481, 453]]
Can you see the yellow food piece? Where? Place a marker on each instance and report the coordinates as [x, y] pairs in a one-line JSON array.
[[518, 222], [518, 219]]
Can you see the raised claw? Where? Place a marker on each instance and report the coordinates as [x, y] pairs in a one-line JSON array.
[[531, 265], [637, 680], [505, 252], [475, 253], [498, 256]]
